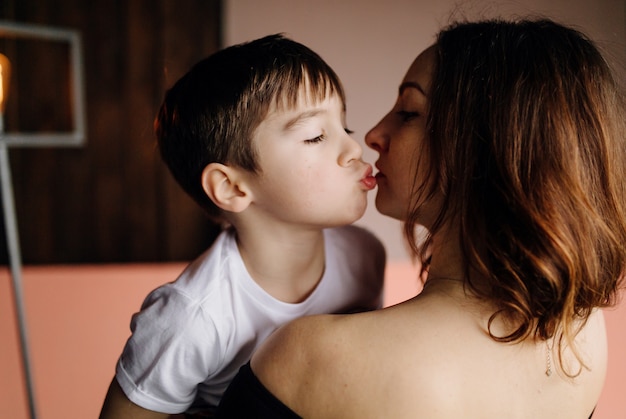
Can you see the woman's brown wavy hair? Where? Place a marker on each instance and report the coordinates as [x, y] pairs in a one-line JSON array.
[[527, 146]]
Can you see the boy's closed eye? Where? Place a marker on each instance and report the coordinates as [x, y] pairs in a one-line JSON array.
[[322, 137], [317, 139]]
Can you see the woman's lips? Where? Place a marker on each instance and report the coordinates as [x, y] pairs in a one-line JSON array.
[[380, 174]]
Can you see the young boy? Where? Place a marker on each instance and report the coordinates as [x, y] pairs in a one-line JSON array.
[[256, 134]]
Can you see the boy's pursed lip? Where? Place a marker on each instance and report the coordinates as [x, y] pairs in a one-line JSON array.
[[368, 180]]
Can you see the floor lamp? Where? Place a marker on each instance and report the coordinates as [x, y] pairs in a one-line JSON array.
[[9, 139]]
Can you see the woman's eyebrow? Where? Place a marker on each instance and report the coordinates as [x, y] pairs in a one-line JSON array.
[[411, 84]]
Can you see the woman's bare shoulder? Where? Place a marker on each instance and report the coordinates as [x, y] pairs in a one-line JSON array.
[[291, 361], [298, 345], [341, 362], [429, 350]]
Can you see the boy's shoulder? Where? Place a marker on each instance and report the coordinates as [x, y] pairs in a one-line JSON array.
[[206, 274], [360, 258], [354, 232], [356, 240]]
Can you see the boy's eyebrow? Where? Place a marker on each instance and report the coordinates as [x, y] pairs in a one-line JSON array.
[[302, 116], [408, 84]]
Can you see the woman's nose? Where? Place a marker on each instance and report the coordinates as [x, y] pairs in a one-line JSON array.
[[375, 138]]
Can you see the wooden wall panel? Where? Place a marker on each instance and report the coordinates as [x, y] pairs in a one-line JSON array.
[[112, 200]]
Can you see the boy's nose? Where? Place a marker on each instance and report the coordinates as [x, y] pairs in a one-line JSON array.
[[352, 151]]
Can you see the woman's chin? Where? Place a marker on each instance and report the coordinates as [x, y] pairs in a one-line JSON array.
[[388, 210]]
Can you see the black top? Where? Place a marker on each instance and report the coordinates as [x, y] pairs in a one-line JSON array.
[[246, 397]]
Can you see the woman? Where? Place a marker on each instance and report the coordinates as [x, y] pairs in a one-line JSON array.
[[507, 143]]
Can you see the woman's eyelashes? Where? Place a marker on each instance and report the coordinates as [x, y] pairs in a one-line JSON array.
[[407, 115]]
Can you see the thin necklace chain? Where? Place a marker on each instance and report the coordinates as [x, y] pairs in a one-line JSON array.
[[549, 357]]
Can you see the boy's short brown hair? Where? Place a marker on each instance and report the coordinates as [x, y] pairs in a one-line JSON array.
[[211, 113]]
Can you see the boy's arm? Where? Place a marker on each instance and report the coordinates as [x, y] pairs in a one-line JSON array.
[[117, 406]]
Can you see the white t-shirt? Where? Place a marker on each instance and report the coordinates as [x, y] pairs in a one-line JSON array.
[[192, 335]]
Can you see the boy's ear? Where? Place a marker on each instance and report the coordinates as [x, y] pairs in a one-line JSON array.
[[226, 187]]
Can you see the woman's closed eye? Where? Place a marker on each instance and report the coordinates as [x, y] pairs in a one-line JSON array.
[[407, 115]]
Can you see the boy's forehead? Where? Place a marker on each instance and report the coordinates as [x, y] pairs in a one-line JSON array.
[[307, 106]]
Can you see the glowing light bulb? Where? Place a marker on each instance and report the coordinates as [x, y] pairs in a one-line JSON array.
[[5, 72]]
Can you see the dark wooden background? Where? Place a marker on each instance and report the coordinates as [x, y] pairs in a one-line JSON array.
[[111, 200]]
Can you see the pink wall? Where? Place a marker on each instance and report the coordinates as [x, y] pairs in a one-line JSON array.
[[78, 318]]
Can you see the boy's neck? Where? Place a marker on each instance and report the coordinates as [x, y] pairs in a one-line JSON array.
[[287, 263]]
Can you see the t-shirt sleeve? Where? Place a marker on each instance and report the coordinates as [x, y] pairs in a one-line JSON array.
[[171, 350]]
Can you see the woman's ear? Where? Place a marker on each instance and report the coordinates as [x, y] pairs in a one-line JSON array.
[[226, 187]]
